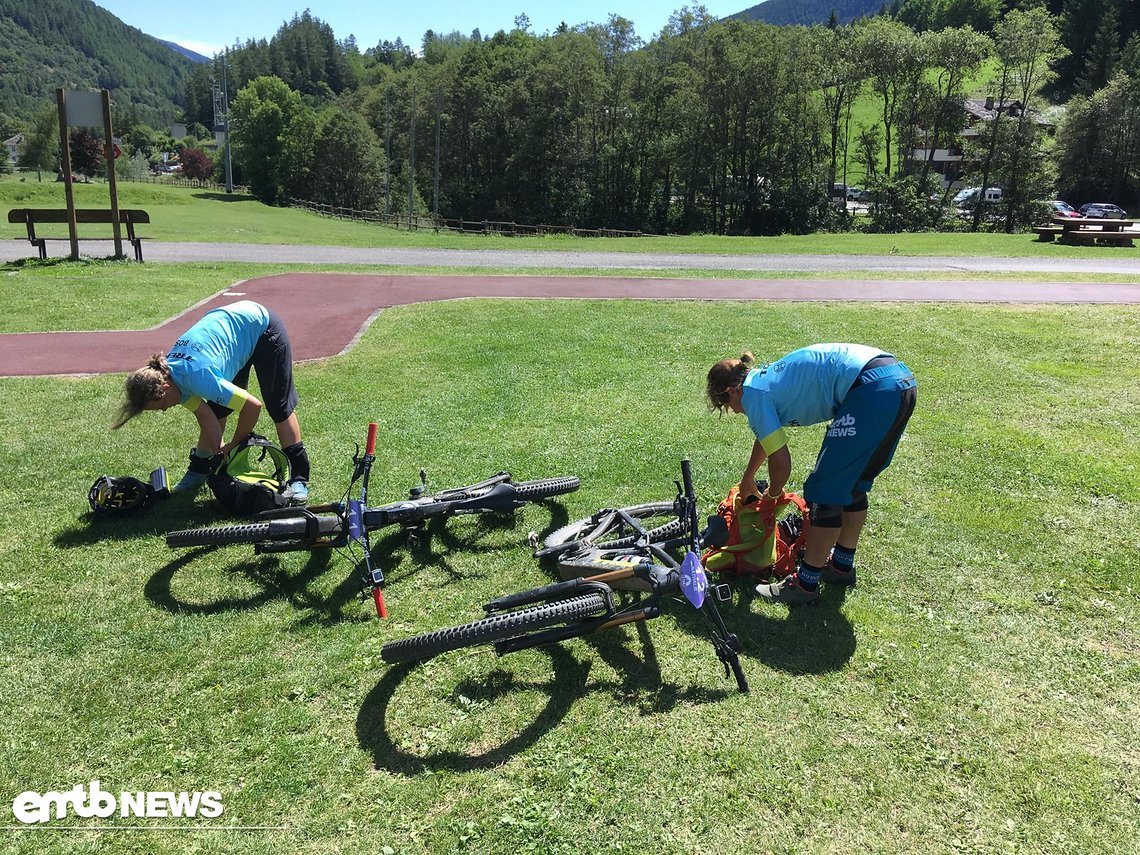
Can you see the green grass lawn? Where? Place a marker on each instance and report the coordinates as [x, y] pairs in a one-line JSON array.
[[185, 214], [978, 691]]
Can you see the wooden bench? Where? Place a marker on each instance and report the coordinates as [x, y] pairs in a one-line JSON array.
[[1047, 233], [31, 217]]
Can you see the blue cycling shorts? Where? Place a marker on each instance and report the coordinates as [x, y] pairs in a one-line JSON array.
[[861, 439]]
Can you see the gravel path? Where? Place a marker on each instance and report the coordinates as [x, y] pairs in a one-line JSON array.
[[1116, 261]]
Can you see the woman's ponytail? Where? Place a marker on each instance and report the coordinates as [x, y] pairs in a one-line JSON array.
[[142, 387]]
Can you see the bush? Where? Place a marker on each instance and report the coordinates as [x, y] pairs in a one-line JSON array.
[[134, 167], [902, 205], [196, 164]]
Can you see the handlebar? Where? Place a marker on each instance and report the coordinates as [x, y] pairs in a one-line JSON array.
[[370, 445]]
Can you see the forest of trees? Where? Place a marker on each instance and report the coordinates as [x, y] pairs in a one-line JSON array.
[[734, 126], [75, 44]]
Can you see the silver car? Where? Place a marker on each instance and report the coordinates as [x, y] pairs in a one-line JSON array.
[[1103, 211]]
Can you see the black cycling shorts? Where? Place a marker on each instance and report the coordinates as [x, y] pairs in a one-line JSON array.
[[272, 360]]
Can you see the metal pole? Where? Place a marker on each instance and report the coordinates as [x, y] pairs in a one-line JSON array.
[[226, 115]]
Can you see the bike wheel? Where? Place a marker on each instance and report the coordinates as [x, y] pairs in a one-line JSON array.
[[275, 530], [493, 628], [660, 520]]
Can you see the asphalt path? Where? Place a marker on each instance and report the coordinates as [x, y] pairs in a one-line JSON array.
[[154, 251], [327, 311]]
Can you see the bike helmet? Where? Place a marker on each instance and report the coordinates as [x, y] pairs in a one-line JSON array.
[[111, 495]]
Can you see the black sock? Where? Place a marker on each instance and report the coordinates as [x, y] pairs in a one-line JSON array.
[[808, 576], [298, 462], [843, 558]]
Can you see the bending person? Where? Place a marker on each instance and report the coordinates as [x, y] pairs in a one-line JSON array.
[[207, 372], [867, 396]]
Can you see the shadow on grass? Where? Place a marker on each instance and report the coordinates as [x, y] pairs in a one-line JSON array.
[[810, 639], [641, 682], [640, 685], [34, 262], [224, 197], [431, 544], [267, 573], [177, 512], [565, 685], [427, 546]]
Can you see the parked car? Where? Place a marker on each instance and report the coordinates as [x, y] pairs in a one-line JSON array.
[[858, 194], [1063, 209], [1103, 210]]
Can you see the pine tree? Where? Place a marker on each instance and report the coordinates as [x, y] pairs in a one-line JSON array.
[[1103, 54]]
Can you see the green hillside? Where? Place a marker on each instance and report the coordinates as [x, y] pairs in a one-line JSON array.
[[77, 45], [781, 12]]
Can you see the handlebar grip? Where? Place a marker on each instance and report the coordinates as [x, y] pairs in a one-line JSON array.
[[370, 445], [381, 608], [687, 477]]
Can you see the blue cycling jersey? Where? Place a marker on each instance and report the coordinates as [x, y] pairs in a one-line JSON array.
[[805, 387], [211, 353]]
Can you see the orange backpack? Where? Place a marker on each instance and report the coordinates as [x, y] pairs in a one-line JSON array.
[[760, 542]]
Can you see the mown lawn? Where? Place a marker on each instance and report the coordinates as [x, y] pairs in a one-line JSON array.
[[185, 214], [978, 691]]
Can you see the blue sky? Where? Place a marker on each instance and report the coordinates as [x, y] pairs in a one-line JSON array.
[[207, 26]]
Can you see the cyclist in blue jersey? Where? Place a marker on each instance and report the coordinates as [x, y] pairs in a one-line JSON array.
[[866, 396], [207, 371]]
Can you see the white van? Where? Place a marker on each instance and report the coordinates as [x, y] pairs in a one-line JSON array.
[[968, 195]]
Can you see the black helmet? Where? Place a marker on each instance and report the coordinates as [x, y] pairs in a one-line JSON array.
[[111, 495]]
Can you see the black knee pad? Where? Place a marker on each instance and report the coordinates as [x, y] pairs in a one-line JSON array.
[[859, 503], [826, 516]]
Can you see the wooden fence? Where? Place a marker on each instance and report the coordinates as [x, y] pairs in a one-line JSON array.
[[486, 227], [176, 181]]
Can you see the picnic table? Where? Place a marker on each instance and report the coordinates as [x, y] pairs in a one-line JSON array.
[[1088, 231]]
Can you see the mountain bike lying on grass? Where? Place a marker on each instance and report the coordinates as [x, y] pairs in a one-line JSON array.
[[347, 523], [611, 554]]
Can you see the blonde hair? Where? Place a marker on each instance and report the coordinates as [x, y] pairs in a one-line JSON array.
[[143, 386], [725, 375]]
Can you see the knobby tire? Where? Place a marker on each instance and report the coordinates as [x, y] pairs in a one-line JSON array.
[[253, 532], [544, 488], [493, 628]]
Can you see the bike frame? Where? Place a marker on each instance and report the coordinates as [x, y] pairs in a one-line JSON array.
[[357, 519], [662, 572]]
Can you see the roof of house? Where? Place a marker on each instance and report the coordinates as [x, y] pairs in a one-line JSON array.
[[986, 109]]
